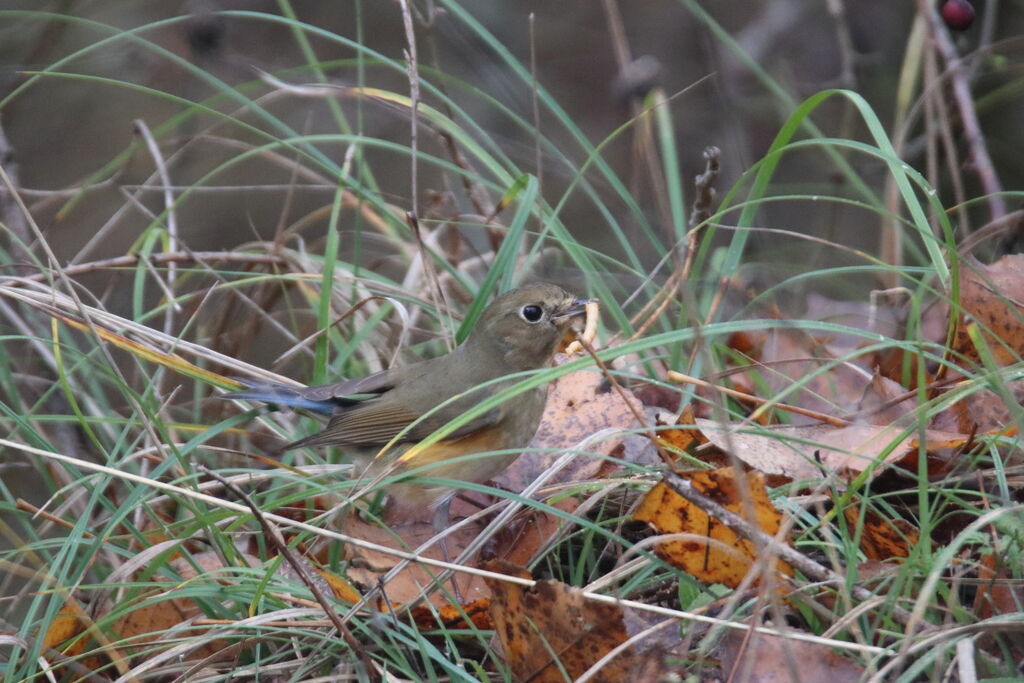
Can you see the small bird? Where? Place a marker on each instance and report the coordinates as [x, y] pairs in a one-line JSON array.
[[519, 331]]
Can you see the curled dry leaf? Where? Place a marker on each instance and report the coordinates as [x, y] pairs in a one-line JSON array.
[[336, 585], [879, 404], [714, 553], [815, 451], [789, 356], [806, 365]]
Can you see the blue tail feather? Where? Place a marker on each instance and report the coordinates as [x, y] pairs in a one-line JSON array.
[[270, 392]]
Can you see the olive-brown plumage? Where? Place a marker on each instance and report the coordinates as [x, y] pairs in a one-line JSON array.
[[519, 331]]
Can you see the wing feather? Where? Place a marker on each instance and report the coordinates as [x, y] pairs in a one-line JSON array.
[[373, 424]]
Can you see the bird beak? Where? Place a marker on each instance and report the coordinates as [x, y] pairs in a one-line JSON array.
[[575, 307]]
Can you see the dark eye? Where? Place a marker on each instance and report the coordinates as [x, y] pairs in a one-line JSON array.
[[531, 313]]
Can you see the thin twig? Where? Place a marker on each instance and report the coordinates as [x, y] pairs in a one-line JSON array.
[[649, 316], [650, 433], [436, 293]]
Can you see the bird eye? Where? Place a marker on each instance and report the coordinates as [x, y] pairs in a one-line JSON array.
[[531, 313]]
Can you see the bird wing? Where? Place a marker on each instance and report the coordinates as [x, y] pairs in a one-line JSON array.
[[371, 424], [376, 422], [376, 409]]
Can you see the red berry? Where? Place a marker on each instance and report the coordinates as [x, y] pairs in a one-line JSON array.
[[958, 14]]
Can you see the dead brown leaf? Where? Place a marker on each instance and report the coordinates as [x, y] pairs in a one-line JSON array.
[[517, 542], [879, 404], [580, 404], [765, 658], [998, 594], [550, 632], [146, 624], [814, 451], [414, 580], [790, 356], [727, 558], [993, 297], [340, 588], [791, 359], [520, 540], [71, 621], [983, 411]]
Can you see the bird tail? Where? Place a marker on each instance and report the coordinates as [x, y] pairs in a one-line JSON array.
[[281, 394]]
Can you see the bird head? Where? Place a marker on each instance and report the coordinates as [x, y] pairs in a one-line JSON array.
[[522, 328]]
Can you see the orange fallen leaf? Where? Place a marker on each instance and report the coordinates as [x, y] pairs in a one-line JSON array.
[[677, 438], [341, 588], [998, 593], [71, 621], [881, 538], [454, 617], [718, 554]]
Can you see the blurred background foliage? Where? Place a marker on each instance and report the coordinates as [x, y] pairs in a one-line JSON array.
[[65, 130]]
